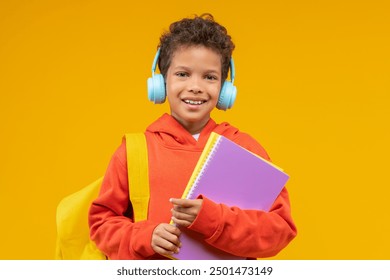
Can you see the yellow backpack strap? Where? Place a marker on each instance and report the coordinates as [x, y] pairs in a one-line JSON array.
[[138, 174]]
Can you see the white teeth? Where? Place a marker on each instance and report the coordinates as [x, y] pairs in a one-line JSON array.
[[193, 102]]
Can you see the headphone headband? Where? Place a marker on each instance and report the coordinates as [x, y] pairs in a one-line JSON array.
[[154, 65], [232, 70]]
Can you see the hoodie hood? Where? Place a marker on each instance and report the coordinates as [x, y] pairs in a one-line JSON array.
[[172, 134]]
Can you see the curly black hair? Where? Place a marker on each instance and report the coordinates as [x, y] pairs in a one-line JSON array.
[[201, 30]]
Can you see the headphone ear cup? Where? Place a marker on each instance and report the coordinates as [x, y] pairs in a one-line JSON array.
[[156, 89], [227, 96]]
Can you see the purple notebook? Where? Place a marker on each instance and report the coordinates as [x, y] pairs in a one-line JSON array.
[[229, 174]]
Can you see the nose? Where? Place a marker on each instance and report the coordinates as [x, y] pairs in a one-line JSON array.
[[195, 85]]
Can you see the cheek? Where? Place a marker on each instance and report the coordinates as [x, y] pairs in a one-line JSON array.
[[172, 91], [215, 92], [172, 87], [168, 88]]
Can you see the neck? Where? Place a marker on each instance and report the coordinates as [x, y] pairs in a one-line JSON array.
[[193, 127]]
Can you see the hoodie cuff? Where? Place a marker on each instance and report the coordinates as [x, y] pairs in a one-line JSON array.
[[208, 218], [142, 239]]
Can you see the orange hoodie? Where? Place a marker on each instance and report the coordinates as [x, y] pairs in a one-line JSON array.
[[173, 154]]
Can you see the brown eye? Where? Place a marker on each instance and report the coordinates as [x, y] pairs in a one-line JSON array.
[[211, 77], [182, 74]]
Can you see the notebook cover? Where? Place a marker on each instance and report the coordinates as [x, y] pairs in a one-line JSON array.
[[229, 174]]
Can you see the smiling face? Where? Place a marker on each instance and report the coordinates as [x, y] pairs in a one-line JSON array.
[[193, 83]]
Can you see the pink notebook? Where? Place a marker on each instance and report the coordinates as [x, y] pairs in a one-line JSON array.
[[229, 174]]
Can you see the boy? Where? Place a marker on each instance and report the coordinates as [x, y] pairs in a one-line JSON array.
[[194, 60]]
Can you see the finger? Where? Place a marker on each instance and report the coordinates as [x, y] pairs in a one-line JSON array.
[[171, 238], [191, 211], [162, 228], [172, 230], [161, 251], [182, 202], [184, 215], [166, 245], [182, 223], [169, 233], [165, 251]]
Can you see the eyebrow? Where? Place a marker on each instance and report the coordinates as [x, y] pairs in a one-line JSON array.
[[209, 71]]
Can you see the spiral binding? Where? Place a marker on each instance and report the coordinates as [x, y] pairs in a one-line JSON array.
[[204, 166]]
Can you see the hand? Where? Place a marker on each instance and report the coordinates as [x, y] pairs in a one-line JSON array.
[[165, 239], [185, 211]]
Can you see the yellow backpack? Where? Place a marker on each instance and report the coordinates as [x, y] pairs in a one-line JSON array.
[[73, 241]]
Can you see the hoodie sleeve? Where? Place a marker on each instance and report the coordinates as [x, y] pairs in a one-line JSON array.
[[110, 216], [247, 233]]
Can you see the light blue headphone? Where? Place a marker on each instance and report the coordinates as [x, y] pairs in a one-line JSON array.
[[156, 87]]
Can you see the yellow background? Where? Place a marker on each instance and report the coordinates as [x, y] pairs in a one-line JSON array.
[[313, 88]]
